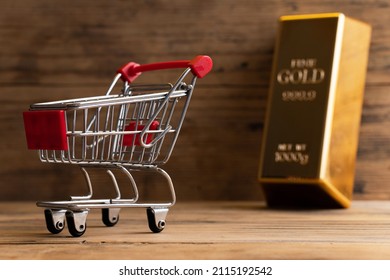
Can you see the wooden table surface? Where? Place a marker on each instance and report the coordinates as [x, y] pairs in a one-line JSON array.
[[206, 230]]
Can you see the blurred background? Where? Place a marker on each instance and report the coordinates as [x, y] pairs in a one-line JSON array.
[[52, 50]]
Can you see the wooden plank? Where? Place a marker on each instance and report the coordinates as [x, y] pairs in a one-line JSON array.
[[191, 251], [214, 230], [51, 53]]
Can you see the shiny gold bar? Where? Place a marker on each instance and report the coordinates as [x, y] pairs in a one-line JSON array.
[[313, 116]]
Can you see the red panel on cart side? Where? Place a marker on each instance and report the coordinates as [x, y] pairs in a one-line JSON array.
[[129, 138], [45, 130]]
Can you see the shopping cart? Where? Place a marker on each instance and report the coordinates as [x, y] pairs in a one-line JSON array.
[[133, 130]]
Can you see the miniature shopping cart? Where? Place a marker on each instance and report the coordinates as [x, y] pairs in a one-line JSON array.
[[133, 130]]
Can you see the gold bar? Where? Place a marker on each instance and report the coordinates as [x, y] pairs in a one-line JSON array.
[[313, 116]]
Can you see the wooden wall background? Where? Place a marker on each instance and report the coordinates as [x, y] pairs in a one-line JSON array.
[[51, 50]]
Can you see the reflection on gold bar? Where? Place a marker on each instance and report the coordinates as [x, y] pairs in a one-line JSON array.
[[312, 125]]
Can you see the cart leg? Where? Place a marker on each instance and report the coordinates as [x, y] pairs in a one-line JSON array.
[[76, 222], [156, 218], [110, 216], [170, 184], [55, 220], [89, 184], [132, 181]]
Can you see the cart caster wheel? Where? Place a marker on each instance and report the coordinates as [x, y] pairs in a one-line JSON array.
[[76, 222], [55, 220], [156, 219], [110, 216]]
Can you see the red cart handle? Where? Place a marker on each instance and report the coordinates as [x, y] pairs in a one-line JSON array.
[[200, 66]]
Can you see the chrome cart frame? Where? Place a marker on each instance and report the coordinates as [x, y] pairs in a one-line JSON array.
[[134, 130]]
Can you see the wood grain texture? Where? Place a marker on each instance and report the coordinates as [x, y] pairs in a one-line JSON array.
[[212, 230], [51, 51]]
